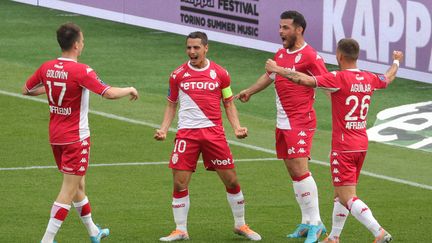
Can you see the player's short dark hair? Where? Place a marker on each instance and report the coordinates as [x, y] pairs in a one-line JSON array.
[[349, 48], [67, 35], [298, 18], [198, 35]]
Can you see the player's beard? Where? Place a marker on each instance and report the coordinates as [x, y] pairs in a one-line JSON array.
[[290, 40]]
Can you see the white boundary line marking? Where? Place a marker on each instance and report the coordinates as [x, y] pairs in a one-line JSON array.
[[124, 164], [253, 147]]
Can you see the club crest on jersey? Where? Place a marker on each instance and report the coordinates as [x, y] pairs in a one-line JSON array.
[[174, 159], [297, 58], [212, 74]]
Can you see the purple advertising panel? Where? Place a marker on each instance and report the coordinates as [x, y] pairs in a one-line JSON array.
[[380, 26]]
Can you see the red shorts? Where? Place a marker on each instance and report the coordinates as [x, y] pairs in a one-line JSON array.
[[295, 143], [209, 141], [346, 167], [72, 158]]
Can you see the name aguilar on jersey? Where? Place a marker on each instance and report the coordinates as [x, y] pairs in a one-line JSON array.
[[58, 74], [361, 88]]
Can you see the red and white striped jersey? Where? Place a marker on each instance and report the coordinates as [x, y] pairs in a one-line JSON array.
[[294, 103], [67, 84], [199, 92]]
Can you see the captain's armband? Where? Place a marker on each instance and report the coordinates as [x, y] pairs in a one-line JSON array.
[[227, 92]]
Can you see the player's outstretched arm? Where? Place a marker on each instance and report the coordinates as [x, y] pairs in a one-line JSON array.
[[293, 76], [169, 115], [35, 91], [117, 93], [391, 72], [263, 82], [232, 115]]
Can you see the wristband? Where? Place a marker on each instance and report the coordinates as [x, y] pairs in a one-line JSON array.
[[396, 62]]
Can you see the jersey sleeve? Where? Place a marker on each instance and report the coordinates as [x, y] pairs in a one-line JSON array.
[[91, 81], [34, 80], [173, 89], [380, 81], [328, 81], [225, 78], [317, 67]]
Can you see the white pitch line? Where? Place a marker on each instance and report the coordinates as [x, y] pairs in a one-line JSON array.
[[253, 147], [383, 177], [123, 164]]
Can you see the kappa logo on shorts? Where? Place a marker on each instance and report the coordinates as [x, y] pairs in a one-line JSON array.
[[291, 150], [334, 154], [174, 158], [83, 160], [335, 162], [301, 142], [84, 143], [221, 162], [84, 151], [302, 134], [335, 171], [336, 179], [81, 169], [301, 151]]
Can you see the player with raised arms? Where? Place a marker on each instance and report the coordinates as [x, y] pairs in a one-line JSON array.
[[351, 91]]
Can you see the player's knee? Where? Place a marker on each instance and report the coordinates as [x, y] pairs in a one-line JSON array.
[[231, 183], [297, 167], [180, 185]]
